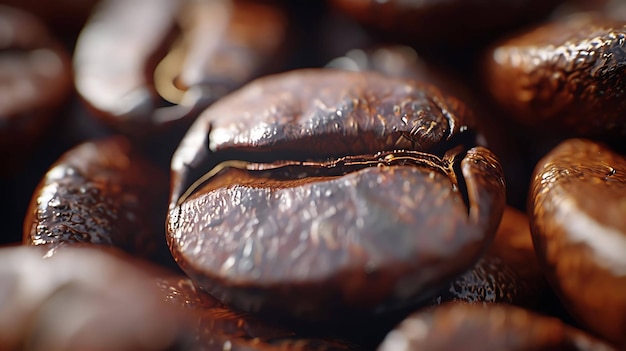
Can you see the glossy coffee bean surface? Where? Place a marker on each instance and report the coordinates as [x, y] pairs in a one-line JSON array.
[[103, 193], [577, 204], [183, 53], [314, 209], [458, 326], [565, 76], [306, 210]]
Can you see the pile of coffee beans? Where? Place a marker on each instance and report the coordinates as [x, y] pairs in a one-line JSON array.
[[313, 175]]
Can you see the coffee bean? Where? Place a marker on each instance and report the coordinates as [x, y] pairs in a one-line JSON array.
[[331, 191], [100, 192], [577, 206], [126, 63], [509, 272], [557, 75], [458, 326], [84, 299], [405, 62], [318, 207]]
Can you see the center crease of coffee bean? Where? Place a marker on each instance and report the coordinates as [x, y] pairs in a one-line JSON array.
[[294, 169]]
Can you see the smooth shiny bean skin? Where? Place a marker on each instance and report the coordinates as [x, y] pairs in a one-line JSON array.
[[319, 208], [577, 203], [458, 326], [187, 52], [113, 52], [300, 239]]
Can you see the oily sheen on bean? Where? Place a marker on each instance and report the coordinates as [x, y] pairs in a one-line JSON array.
[[320, 194], [81, 298], [132, 56], [101, 192], [458, 326], [577, 203], [565, 76]]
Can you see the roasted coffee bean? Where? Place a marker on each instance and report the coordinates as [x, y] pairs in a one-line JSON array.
[[509, 272], [121, 72], [566, 76], [577, 204], [100, 192], [458, 326], [220, 327], [34, 81], [405, 62], [318, 192], [84, 299], [447, 22]]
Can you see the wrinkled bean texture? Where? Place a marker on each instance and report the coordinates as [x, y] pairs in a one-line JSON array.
[[311, 245], [97, 193], [314, 209], [559, 74]]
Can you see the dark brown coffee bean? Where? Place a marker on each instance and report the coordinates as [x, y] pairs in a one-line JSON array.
[[83, 299], [509, 272], [577, 206], [100, 192], [444, 22], [458, 326], [220, 327], [248, 34], [34, 81], [405, 62], [559, 74], [119, 70], [331, 191]]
